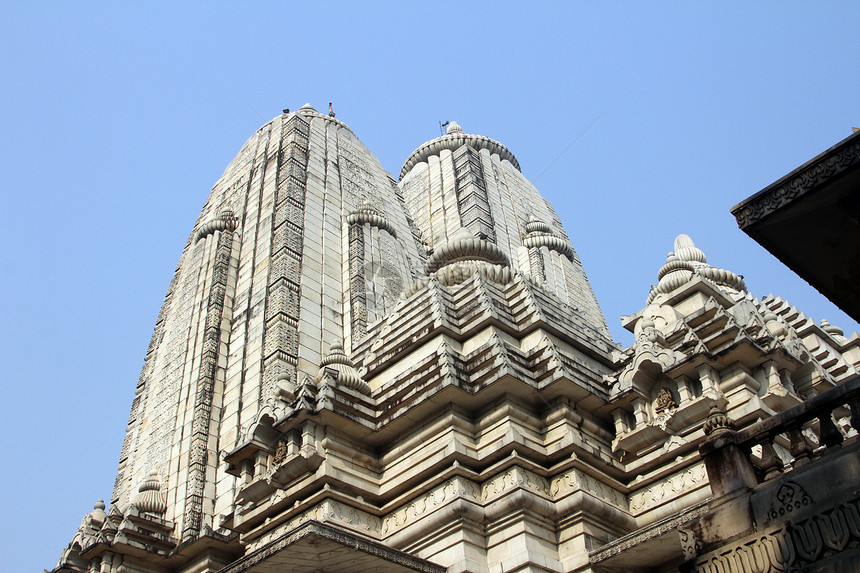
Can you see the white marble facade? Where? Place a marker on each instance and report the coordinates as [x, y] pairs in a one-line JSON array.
[[422, 364]]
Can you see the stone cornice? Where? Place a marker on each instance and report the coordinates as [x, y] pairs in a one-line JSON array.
[[836, 160], [454, 141]]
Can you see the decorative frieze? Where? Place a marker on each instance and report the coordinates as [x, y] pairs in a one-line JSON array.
[[793, 546], [669, 488], [796, 184]]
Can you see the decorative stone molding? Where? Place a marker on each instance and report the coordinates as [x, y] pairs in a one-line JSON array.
[[225, 222], [551, 242], [646, 533], [772, 551], [198, 459], [282, 306], [651, 357], [458, 273], [366, 214], [320, 533], [668, 488], [690, 544], [473, 203], [539, 234], [464, 246], [796, 184], [357, 282], [575, 480], [790, 547], [515, 477], [456, 261]]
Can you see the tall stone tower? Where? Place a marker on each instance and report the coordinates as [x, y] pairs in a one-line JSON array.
[[353, 373]]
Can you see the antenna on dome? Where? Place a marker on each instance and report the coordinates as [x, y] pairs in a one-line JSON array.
[[442, 127]]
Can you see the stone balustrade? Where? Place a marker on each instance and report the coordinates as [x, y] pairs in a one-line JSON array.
[[728, 454]]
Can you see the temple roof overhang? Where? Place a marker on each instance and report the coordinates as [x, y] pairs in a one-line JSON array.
[[314, 546], [810, 220]]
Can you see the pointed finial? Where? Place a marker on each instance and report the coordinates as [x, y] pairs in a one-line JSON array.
[[687, 251], [97, 515]]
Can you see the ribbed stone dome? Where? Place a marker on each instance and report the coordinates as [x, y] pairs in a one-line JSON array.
[[453, 139]]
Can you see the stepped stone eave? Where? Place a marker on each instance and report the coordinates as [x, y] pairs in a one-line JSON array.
[[696, 284]]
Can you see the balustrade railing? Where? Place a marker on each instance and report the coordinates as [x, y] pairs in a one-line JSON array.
[[728, 453]]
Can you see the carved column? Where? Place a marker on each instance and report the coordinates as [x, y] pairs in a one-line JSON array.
[[281, 339], [357, 286], [200, 425]]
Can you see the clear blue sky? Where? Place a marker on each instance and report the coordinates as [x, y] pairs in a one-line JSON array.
[[116, 119]]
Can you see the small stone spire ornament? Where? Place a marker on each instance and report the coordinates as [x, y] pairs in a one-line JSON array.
[[149, 498], [98, 515], [684, 262], [718, 421], [347, 375], [453, 127], [774, 326], [832, 330], [539, 234]]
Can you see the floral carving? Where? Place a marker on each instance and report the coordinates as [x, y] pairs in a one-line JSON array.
[[789, 497], [672, 487], [772, 199]]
